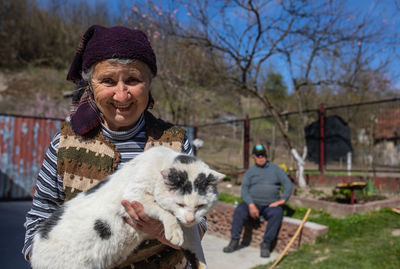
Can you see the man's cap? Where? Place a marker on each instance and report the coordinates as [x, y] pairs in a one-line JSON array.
[[259, 149]]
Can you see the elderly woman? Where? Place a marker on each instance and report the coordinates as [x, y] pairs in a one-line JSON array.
[[109, 125]]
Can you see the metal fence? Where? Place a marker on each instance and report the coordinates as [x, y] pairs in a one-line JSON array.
[[222, 144], [374, 129], [23, 142], [375, 135]]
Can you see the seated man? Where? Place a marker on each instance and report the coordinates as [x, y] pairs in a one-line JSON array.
[[261, 196]]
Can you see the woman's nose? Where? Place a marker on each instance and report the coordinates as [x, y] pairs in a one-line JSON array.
[[121, 92]]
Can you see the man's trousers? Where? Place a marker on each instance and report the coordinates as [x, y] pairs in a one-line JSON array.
[[273, 215]]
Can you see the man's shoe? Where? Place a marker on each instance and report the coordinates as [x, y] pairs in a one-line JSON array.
[[233, 245], [264, 253]]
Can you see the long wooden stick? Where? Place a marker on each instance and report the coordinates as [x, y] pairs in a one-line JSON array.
[[292, 240], [395, 210]]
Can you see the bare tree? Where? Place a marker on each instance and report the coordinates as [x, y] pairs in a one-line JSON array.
[[332, 47], [322, 43], [188, 79], [184, 76], [397, 4], [47, 34]]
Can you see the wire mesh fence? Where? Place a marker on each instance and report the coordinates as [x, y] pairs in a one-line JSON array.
[[222, 144], [373, 139], [375, 135]]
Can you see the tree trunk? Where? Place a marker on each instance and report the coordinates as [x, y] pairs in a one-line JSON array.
[[300, 160]]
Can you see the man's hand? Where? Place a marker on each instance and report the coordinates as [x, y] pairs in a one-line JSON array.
[[253, 210], [140, 221], [277, 203]]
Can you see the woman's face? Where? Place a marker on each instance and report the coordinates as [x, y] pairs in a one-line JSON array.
[[121, 92]]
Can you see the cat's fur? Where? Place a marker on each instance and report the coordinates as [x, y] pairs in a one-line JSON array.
[[89, 231]]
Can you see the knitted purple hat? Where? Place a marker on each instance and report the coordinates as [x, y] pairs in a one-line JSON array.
[[100, 43]]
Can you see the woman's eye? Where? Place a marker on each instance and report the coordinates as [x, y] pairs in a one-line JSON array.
[[132, 80], [107, 81]]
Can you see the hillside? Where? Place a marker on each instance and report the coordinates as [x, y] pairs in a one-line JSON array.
[[34, 92], [40, 92]]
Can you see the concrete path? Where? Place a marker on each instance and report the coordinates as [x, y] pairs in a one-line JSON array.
[[244, 258], [12, 234]]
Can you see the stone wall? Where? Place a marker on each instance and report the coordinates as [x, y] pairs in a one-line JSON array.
[[219, 221], [342, 210]]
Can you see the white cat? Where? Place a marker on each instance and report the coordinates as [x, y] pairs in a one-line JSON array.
[[89, 231]]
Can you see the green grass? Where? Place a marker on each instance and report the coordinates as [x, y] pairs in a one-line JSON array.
[[229, 198], [299, 212], [357, 241]]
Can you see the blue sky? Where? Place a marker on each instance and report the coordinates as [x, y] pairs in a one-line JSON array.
[[387, 12], [384, 11]]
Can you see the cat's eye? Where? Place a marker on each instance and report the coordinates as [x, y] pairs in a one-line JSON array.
[[200, 206], [181, 205]]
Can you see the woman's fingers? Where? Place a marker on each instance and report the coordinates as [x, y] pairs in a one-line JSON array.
[[130, 222], [136, 211], [130, 210], [140, 221], [139, 210]]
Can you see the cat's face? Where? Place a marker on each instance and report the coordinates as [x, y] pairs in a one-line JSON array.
[[191, 189]]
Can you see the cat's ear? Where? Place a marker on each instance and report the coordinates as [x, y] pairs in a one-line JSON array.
[[215, 177]]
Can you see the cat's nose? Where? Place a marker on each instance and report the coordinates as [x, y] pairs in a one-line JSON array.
[[189, 218], [189, 221]]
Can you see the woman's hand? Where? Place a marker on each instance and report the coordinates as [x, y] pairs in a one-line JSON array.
[[140, 221]]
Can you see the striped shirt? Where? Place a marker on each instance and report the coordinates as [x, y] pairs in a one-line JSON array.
[[49, 194]]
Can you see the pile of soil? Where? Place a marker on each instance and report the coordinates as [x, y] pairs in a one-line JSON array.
[[358, 199]]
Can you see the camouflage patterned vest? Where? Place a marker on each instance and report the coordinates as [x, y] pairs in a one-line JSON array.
[[83, 162]]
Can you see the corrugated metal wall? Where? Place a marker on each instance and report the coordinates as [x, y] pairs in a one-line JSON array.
[[23, 143]]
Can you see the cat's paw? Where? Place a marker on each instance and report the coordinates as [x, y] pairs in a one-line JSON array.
[[174, 234]]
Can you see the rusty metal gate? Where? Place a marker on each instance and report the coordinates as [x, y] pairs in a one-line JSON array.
[[23, 143]]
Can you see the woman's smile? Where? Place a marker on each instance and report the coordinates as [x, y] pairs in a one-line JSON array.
[[122, 107], [121, 92]]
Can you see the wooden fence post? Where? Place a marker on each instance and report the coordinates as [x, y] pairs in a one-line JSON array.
[[246, 142], [321, 138]]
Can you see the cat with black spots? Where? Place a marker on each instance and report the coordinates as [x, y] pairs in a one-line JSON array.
[[89, 231]]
